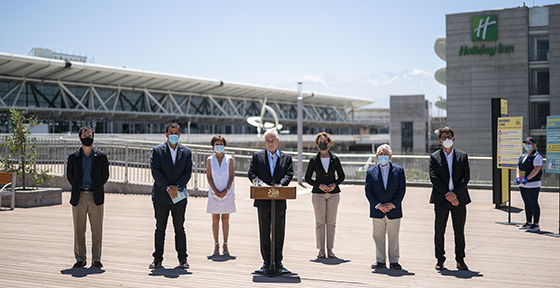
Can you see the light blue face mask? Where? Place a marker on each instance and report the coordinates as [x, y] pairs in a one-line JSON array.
[[173, 139], [219, 148], [528, 147], [383, 159]]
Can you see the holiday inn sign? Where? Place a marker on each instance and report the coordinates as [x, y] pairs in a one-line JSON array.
[[484, 28]]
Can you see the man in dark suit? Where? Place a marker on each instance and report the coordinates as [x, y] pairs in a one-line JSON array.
[[274, 168], [171, 165], [449, 173], [385, 189], [87, 172]]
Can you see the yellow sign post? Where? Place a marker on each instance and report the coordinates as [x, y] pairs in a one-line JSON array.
[[510, 135]]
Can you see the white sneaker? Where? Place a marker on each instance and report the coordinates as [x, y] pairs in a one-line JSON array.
[[534, 228], [525, 226]]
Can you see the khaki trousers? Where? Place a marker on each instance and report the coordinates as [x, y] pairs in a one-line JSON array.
[[326, 208], [86, 208], [382, 227]]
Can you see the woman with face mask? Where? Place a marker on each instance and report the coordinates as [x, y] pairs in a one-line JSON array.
[[221, 200], [529, 180], [325, 193]]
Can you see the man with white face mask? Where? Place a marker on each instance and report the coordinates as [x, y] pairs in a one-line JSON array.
[[449, 174], [385, 188]]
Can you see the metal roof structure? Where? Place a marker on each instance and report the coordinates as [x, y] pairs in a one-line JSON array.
[[56, 88]]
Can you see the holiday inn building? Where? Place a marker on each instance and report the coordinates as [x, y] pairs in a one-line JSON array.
[[509, 53]]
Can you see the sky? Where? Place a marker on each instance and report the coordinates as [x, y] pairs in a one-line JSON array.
[[361, 49]]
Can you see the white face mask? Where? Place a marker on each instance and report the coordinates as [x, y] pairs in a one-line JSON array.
[[448, 143], [528, 147], [219, 148]]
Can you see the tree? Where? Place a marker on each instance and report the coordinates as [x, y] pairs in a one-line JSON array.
[[21, 148]]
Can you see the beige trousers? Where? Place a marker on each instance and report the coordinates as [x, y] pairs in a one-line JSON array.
[[382, 227], [86, 208], [326, 208]]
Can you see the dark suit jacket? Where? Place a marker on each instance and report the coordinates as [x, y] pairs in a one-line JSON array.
[[439, 175], [322, 176], [376, 192], [166, 174], [99, 175], [260, 169]]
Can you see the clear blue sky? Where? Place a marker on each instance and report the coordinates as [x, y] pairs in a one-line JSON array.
[[256, 42]]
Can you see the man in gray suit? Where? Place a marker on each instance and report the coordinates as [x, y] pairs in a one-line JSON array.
[[171, 165]]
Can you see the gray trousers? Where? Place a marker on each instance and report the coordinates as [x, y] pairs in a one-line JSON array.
[[86, 208], [326, 208], [382, 227]]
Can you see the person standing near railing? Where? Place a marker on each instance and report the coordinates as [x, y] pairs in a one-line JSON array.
[[171, 164], [450, 174], [530, 164], [326, 193], [87, 172], [220, 173]]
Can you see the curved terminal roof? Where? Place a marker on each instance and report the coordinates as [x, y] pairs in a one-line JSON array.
[[18, 67]]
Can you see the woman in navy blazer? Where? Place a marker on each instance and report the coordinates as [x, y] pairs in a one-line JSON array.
[[325, 191]]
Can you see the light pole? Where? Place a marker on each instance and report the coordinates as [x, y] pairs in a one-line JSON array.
[[300, 133]]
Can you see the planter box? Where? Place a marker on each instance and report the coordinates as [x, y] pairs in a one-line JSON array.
[[35, 198]]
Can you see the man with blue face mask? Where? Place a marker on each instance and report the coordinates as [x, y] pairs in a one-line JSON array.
[[449, 174], [385, 188], [171, 164]]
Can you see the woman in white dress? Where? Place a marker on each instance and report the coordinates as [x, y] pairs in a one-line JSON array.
[[221, 199]]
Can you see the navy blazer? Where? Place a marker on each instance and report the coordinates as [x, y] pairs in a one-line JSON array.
[[260, 170], [99, 175], [166, 174], [377, 194], [439, 175]]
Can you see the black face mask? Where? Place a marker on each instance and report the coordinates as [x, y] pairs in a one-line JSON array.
[[87, 141], [323, 146]]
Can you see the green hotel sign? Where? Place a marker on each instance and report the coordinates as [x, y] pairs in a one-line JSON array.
[[484, 28]]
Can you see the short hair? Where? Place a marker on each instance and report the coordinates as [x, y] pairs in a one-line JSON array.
[[85, 128], [218, 138], [445, 130], [273, 131], [172, 125], [384, 146], [321, 134]]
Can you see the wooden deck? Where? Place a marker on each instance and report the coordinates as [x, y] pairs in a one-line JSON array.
[[36, 246]]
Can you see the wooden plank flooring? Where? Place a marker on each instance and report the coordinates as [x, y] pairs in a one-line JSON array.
[[36, 246]]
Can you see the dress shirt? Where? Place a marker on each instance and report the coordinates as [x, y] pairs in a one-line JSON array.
[[449, 159], [326, 162], [173, 153], [87, 168], [272, 159], [385, 174]]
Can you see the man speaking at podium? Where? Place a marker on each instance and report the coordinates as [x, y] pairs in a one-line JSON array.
[[273, 168]]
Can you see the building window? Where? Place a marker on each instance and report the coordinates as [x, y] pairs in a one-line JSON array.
[[539, 82], [537, 114], [538, 47], [406, 137]]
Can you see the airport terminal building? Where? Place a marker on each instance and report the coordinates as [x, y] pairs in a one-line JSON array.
[[509, 53], [66, 92]]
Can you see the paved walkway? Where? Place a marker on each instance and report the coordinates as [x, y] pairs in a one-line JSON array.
[[36, 246]]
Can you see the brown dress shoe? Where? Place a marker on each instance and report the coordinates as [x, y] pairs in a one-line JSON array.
[[439, 265], [462, 266]]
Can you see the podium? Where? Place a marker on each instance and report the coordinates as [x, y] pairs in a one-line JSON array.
[[273, 193]]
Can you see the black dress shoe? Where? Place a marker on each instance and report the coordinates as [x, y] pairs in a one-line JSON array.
[[439, 265], [79, 264], [462, 266], [97, 264], [378, 265], [396, 266], [265, 266], [279, 266]]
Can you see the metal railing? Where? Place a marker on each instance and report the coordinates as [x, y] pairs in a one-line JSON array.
[[130, 162]]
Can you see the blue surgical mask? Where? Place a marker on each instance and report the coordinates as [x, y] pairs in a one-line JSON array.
[[173, 139], [528, 147], [219, 148], [383, 159]]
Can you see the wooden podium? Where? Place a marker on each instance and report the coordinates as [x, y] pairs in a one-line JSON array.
[[273, 193]]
